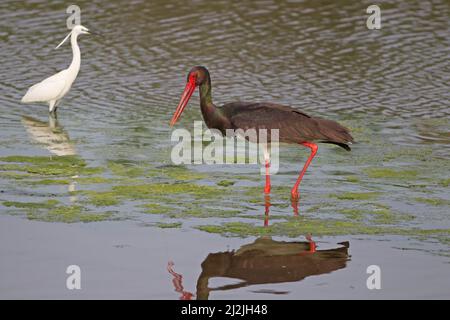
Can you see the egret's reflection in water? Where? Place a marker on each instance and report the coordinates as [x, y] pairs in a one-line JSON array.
[[50, 135], [265, 261], [53, 138]]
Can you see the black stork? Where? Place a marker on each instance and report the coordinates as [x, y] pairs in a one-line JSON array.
[[294, 125]]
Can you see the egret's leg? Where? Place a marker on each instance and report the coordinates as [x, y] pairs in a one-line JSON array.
[[51, 106], [267, 164], [313, 147], [56, 106]]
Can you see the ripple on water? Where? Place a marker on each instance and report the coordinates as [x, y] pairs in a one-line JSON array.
[[390, 86]]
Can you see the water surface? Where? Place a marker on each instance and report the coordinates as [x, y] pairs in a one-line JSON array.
[[390, 86]]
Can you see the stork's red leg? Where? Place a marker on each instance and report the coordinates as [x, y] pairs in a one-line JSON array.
[[267, 162], [312, 244], [313, 147], [267, 187], [294, 205], [267, 207]]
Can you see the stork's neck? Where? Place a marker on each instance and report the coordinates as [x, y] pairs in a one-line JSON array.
[[76, 60], [206, 103], [211, 114]]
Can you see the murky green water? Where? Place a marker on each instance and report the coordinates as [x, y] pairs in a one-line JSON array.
[[107, 157]]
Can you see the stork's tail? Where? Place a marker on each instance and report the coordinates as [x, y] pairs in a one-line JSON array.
[[334, 133]]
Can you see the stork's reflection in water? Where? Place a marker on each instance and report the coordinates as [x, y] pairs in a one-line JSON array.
[[267, 204], [264, 261], [177, 282]]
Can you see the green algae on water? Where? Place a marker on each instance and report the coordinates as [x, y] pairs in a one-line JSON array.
[[125, 169], [11, 167], [356, 195], [444, 182], [317, 207], [73, 161], [179, 173], [50, 182], [390, 173], [201, 212], [352, 179], [225, 183], [433, 201], [58, 170], [353, 214], [49, 166], [168, 225], [68, 214], [383, 216], [52, 211], [300, 226], [167, 193], [94, 180], [15, 176], [144, 191], [102, 199], [156, 208], [32, 205]]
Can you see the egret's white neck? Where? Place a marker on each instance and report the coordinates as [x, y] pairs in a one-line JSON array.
[[76, 60]]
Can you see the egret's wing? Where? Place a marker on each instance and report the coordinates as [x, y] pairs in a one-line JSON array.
[[46, 90]]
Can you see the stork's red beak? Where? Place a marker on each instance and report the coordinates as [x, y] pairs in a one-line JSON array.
[[187, 93]]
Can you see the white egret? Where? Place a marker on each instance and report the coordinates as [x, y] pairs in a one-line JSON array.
[[54, 88]]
